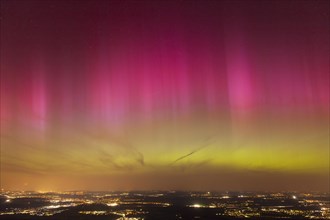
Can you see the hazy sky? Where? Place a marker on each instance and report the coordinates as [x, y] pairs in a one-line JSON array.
[[202, 95]]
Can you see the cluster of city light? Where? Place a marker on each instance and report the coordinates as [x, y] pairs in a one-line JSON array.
[[123, 214], [93, 212], [202, 206], [239, 205], [245, 209]]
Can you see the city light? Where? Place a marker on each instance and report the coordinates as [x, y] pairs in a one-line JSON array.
[[140, 205]]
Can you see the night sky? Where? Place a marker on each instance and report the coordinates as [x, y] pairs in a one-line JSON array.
[[183, 95]]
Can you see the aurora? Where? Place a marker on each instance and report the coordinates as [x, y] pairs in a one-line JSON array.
[[184, 95]]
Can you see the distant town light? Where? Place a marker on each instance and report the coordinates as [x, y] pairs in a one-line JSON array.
[[294, 197]]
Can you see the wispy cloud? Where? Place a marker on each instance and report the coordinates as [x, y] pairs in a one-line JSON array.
[[209, 141]]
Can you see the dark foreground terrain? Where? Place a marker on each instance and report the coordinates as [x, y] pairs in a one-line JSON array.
[[163, 205]]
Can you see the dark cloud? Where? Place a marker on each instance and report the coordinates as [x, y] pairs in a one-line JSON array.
[[209, 141]]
